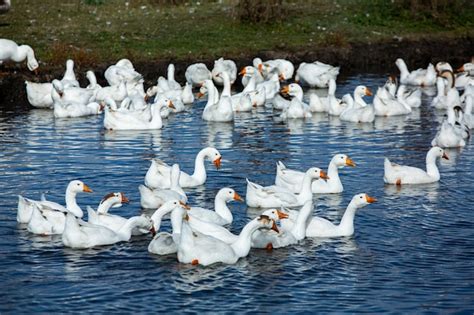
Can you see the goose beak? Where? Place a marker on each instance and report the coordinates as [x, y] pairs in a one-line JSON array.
[[146, 98], [217, 162], [238, 198], [185, 206], [370, 199], [281, 77], [445, 156], [152, 230], [243, 72], [124, 199], [60, 94], [275, 227], [285, 89], [368, 92], [460, 69], [171, 105], [282, 215], [260, 68], [86, 189], [349, 162], [323, 175], [199, 95]]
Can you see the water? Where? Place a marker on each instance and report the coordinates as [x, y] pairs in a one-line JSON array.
[[412, 250]]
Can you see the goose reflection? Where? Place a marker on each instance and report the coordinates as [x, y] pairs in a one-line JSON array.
[[219, 135]]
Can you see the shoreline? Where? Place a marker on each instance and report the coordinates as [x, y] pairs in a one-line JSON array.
[[367, 57]]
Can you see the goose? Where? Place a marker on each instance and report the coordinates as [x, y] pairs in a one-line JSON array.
[[386, 104], [222, 110], [319, 227], [284, 68], [119, 120], [69, 78], [316, 74], [249, 72], [224, 65], [292, 180], [420, 77], [74, 95], [400, 174], [25, 209], [10, 51], [91, 235], [196, 248], [467, 67], [296, 109], [153, 198], [48, 217], [187, 96], [357, 109], [221, 214], [71, 110], [451, 134], [93, 85], [462, 77], [123, 70], [158, 175], [412, 98], [197, 73], [171, 81], [111, 221], [273, 196], [164, 243], [296, 232]]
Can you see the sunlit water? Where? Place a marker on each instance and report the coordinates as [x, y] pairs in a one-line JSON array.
[[412, 250]]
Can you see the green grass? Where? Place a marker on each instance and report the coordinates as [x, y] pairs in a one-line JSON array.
[[94, 31]]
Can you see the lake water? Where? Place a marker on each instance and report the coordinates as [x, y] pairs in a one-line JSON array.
[[412, 250]]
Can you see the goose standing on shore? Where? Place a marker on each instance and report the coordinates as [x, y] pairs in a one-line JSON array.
[[11, 51]]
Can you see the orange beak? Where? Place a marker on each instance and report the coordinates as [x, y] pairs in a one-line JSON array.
[[370, 199], [281, 77], [217, 162], [285, 89], [238, 198], [349, 162], [185, 206], [199, 95], [282, 215], [260, 68], [243, 72], [275, 227], [368, 92], [461, 69], [86, 189], [124, 199], [323, 175], [171, 105], [445, 156]]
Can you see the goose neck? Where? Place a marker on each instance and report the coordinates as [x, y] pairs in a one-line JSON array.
[[243, 243]]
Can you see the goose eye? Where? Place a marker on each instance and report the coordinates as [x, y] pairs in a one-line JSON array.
[[360, 197]]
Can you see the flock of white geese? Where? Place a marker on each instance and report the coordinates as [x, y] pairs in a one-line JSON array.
[[200, 236]]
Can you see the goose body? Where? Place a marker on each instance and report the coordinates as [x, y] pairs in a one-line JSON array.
[[221, 110], [316, 74], [224, 65], [221, 215], [357, 110], [297, 108], [400, 174], [197, 73], [420, 77], [386, 104]]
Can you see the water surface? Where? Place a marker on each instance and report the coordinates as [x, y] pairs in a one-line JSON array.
[[412, 250]]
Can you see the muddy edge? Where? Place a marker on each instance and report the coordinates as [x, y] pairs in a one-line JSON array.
[[353, 58]]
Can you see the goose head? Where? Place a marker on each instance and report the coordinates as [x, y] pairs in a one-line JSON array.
[[125, 63], [166, 208], [77, 186], [438, 152], [317, 173], [116, 198], [443, 65], [342, 160], [228, 194], [214, 155], [266, 222], [361, 200], [362, 91], [292, 89], [275, 215], [248, 71]]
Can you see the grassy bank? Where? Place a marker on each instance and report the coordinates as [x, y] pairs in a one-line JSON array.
[[97, 31]]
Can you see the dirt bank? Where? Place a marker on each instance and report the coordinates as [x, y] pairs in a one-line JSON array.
[[353, 58]]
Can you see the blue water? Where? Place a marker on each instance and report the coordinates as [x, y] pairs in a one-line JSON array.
[[412, 250]]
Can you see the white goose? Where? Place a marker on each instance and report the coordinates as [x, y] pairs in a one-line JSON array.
[[319, 227], [273, 196], [400, 174], [197, 73], [386, 104], [117, 92], [91, 235], [410, 97], [119, 120], [316, 74], [222, 110], [297, 108], [451, 134], [248, 72], [171, 80], [284, 67], [420, 77], [158, 175], [196, 248], [292, 180], [221, 214], [224, 65], [48, 217], [10, 51], [153, 198], [69, 79], [165, 243], [123, 70], [74, 95], [357, 109]]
